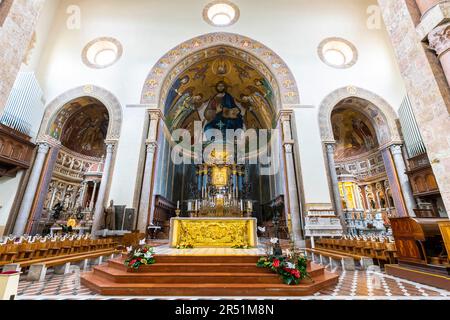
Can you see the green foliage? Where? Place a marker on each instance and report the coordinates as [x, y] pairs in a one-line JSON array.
[[139, 256], [291, 269]]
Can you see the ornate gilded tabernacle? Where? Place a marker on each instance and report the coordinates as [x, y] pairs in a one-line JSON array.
[[213, 232]]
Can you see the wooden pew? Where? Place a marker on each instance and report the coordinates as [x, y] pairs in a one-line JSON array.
[[334, 260]]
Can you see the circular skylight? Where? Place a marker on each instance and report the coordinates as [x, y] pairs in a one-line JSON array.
[[221, 13], [102, 53], [338, 53]]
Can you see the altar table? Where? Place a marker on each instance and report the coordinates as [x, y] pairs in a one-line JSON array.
[[213, 232]]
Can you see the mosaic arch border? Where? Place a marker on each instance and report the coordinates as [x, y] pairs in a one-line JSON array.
[[154, 83], [386, 110], [104, 96]]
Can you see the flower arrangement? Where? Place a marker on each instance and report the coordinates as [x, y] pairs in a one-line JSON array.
[[142, 255], [291, 267]]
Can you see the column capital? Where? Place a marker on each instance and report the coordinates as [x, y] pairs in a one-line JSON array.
[[439, 39], [151, 146], [155, 113], [330, 146], [43, 147], [285, 115], [396, 149], [288, 147]]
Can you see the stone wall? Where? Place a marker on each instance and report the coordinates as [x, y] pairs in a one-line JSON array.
[[15, 36], [425, 85]]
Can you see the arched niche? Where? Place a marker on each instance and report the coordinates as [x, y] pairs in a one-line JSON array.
[[373, 106], [111, 103]]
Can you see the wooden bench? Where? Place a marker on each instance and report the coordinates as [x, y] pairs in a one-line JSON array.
[[335, 260], [60, 264], [364, 261]]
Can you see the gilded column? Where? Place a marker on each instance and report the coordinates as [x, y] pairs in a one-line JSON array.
[[144, 217], [30, 192], [99, 206]]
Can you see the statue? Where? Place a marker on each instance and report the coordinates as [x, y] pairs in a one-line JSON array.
[[57, 210], [110, 219]]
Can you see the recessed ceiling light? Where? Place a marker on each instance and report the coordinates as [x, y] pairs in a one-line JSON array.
[[102, 53], [221, 13], [338, 53]]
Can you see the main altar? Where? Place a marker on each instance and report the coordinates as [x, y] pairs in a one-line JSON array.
[[213, 232], [218, 216]]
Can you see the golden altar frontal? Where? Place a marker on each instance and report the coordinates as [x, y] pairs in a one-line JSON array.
[[213, 232]]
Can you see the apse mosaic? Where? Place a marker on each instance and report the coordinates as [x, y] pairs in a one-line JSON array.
[[353, 132], [82, 126], [222, 92]]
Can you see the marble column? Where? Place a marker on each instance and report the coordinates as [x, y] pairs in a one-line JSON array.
[[30, 191], [330, 148], [99, 206], [397, 154], [439, 40], [145, 211], [291, 183], [144, 207]]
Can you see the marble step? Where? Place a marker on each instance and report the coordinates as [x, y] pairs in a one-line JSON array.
[[107, 287], [262, 276]]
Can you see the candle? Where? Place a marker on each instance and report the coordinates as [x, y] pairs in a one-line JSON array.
[[178, 204], [242, 205]]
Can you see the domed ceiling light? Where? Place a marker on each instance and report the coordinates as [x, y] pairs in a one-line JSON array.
[[338, 53], [221, 13]]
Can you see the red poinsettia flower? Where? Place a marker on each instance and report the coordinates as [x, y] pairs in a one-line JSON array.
[[276, 263], [133, 261], [296, 274]]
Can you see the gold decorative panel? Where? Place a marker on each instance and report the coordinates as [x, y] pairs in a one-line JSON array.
[[213, 232]]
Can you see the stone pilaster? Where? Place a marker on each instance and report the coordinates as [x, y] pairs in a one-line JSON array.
[[293, 201], [427, 91], [30, 192], [144, 217]]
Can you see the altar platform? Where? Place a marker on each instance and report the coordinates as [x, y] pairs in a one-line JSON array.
[[183, 275]]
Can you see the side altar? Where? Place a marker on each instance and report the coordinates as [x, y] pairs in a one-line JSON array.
[[220, 232]]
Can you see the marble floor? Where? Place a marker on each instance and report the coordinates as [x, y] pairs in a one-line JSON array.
[[355, 285]]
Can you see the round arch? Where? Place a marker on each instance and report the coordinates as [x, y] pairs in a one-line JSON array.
[[105, 97], [388, 116], [264, 59]]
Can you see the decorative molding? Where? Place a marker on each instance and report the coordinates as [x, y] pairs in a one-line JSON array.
[[264, 57], [107, 98], [387, 132], [440, 39]]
